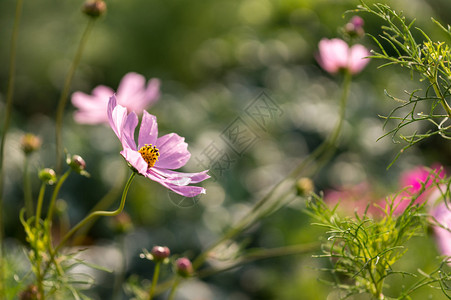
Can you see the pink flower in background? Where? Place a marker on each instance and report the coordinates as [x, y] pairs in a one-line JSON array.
[[132, 94], [335, 55], [443, 237], [351, 199], [356, 198], [154, 157], [413, 180]]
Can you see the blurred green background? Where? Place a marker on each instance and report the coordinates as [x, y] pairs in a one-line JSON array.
[[213, 58]]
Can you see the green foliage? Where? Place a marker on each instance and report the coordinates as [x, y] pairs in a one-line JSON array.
[[364, 249], [399, 45]]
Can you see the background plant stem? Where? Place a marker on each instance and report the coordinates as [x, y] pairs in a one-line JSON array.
[[65, 92], [7, 119], [98, 213], [28, 198], [286, 186]]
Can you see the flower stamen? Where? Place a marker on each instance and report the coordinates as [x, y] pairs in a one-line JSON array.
[[150, 154]]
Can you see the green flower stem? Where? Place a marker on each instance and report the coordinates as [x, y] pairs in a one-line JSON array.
[[39, 275], [98, 213], [174, 288], [285, 186], [55, 194], [103, 204], [156, 273], [28, 198], [39, 205], [7, 119], [64, 94]]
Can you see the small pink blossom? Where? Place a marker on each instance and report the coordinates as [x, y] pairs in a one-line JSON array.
[[335, 55], [351, 199], [132, 94], [154, 157], [412, 182]]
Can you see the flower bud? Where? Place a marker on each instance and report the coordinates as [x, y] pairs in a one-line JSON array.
[[94, 8], [184, 267], [304, 186], [160, 253], [30, 143], [355, 27], [78, 164], [47, 176]]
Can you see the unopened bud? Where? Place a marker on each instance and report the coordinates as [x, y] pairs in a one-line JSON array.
[[78, 164], [184, 267], [304, 186], [355, 27], [30, 143], [47, 176], [94, 8], [160, 253]]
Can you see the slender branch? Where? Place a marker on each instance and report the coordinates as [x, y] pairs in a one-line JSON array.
[[39, 205], [55, 194], [103, 204], [28, 198], [88, 219], [98, 213], [326, 147]]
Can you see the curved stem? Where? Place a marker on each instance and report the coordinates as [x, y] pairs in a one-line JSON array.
[[98, 213], [327, 147], [39, 205], [55, 194], [65, 92], [7, 119], [103, 204]]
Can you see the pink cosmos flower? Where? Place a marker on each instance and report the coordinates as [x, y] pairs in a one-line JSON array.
[[335, 55], [132, 94], [443, 237], [352, 199], [413, 180], [154, 157]]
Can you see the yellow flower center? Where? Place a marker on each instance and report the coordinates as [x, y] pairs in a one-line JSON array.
[[150, 154]]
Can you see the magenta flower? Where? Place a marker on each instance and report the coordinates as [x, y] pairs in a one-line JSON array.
[[335, 55], [154, 157], [413, 181], [132, 93], [443, 237]]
